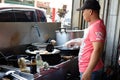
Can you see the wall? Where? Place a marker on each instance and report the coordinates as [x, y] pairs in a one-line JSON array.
[[112, 32], [19, 33]]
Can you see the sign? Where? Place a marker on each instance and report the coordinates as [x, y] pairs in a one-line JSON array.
[[22, 2], [43, 4]]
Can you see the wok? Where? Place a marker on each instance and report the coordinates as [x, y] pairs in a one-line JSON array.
[[68, 51], [52, 58]]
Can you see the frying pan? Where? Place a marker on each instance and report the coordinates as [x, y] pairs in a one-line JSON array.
[[68, 51]]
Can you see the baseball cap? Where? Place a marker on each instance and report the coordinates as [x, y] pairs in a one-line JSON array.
[[90, 4]]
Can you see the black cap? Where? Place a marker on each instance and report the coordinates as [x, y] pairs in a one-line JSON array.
[[90, 4]]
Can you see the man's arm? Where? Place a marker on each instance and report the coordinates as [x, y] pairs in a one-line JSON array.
[[95, 56], [74, 42]]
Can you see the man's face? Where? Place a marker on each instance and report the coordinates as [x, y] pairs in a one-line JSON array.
[[87, 14]]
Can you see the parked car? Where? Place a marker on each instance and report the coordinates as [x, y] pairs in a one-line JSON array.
[[21, 13]]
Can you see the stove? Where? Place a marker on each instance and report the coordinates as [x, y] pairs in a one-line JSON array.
[[67, 65]]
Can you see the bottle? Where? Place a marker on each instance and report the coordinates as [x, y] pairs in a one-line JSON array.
[[33, 67], [39, 62], [22, 64]]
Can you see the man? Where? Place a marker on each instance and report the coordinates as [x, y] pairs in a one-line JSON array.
[[92, 44]]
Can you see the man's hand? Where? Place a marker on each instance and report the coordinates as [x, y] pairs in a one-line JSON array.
[[70, 44], [86, 76], [73, 43]]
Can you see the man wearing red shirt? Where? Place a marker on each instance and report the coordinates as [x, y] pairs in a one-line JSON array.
[[92, 44]]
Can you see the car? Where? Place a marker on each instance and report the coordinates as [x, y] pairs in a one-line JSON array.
[[21, 13]]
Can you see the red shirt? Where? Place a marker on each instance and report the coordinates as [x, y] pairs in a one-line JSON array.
[[96, 32]]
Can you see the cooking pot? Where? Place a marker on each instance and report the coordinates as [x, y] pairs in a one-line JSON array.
[[52, 58], [63, 35]]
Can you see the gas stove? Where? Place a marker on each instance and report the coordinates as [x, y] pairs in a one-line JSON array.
[[67, 63]]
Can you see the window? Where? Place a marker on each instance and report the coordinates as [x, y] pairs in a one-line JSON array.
[[40, 16], [7, 16], [21, 15], [24, 16]]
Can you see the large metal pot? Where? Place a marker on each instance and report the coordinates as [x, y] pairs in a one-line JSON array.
[[63, 35]]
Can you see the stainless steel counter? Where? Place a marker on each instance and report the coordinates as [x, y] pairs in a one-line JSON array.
[[4, 69], [62, 71]]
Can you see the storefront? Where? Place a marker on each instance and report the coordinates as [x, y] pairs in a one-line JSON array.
[[110, 13]]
